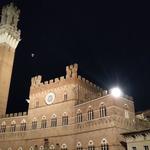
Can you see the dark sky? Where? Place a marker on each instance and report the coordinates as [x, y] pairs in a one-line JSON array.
[[110, 42]]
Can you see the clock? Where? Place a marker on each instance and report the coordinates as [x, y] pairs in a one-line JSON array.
[[49, 99]]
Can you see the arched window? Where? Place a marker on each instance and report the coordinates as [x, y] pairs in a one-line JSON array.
[[36, 147], [102, 110], [31, 148], [79, 146], [90, 113], [65, 96], [3, 127], [52, 147], [44, 122], [23, 125], [126, 112], [13, 126], [41, 147], [104, 145], [53, 120], [65, 119], [63, 147], [20, 148], [34, 123], [36, 104], [91, 145], [79, 116]]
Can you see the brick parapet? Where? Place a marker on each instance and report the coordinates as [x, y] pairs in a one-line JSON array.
[[61, 81], [14, 114]]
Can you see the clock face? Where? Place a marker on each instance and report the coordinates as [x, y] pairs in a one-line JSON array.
[[49, 99]]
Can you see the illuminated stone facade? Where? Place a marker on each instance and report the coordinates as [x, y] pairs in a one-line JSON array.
[[67, 113]]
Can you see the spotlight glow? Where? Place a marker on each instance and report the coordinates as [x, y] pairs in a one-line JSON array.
[[116, 92]]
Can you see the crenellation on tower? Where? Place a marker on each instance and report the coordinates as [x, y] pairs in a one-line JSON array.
[[62, 78], [56, 80], [71, 71], [9, 32], [45, 82], [10, 15], [51, 81], [36, 82]]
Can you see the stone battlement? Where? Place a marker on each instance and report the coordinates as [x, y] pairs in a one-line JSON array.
[[71, 75], [15, 114]]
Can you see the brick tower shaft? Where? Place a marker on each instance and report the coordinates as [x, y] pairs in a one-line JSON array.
[[9, 39]]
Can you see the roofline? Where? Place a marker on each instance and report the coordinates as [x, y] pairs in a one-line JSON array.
[[136, 132]]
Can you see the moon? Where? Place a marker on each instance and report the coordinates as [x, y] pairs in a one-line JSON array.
[[32, 54]]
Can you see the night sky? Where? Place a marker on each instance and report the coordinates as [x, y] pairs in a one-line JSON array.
[[110, 42]]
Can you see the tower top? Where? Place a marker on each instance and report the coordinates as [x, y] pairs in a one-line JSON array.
[[10, 15], [9, 32]]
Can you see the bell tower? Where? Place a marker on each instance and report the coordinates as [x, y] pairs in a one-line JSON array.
[[9, 39]]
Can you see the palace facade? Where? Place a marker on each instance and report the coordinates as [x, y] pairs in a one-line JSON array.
[[65, 113]]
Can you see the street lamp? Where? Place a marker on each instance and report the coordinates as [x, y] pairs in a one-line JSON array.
[[116, 92]]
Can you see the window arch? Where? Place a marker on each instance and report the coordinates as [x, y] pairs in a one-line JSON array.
[[52, 147], [13, 126], [23, 125], [79, 116], [3, 127], [79, 146], [126, 106], [104, 145], [34, 123], [54, 116], [90, 113], [41, 147], [91, 145], [44, 122], [102, 110], [63, 147], [79, 111], [65, 119], [23, 121], [35, 147], [65, 114], [31, 148], [20, 148], [54, 120]]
